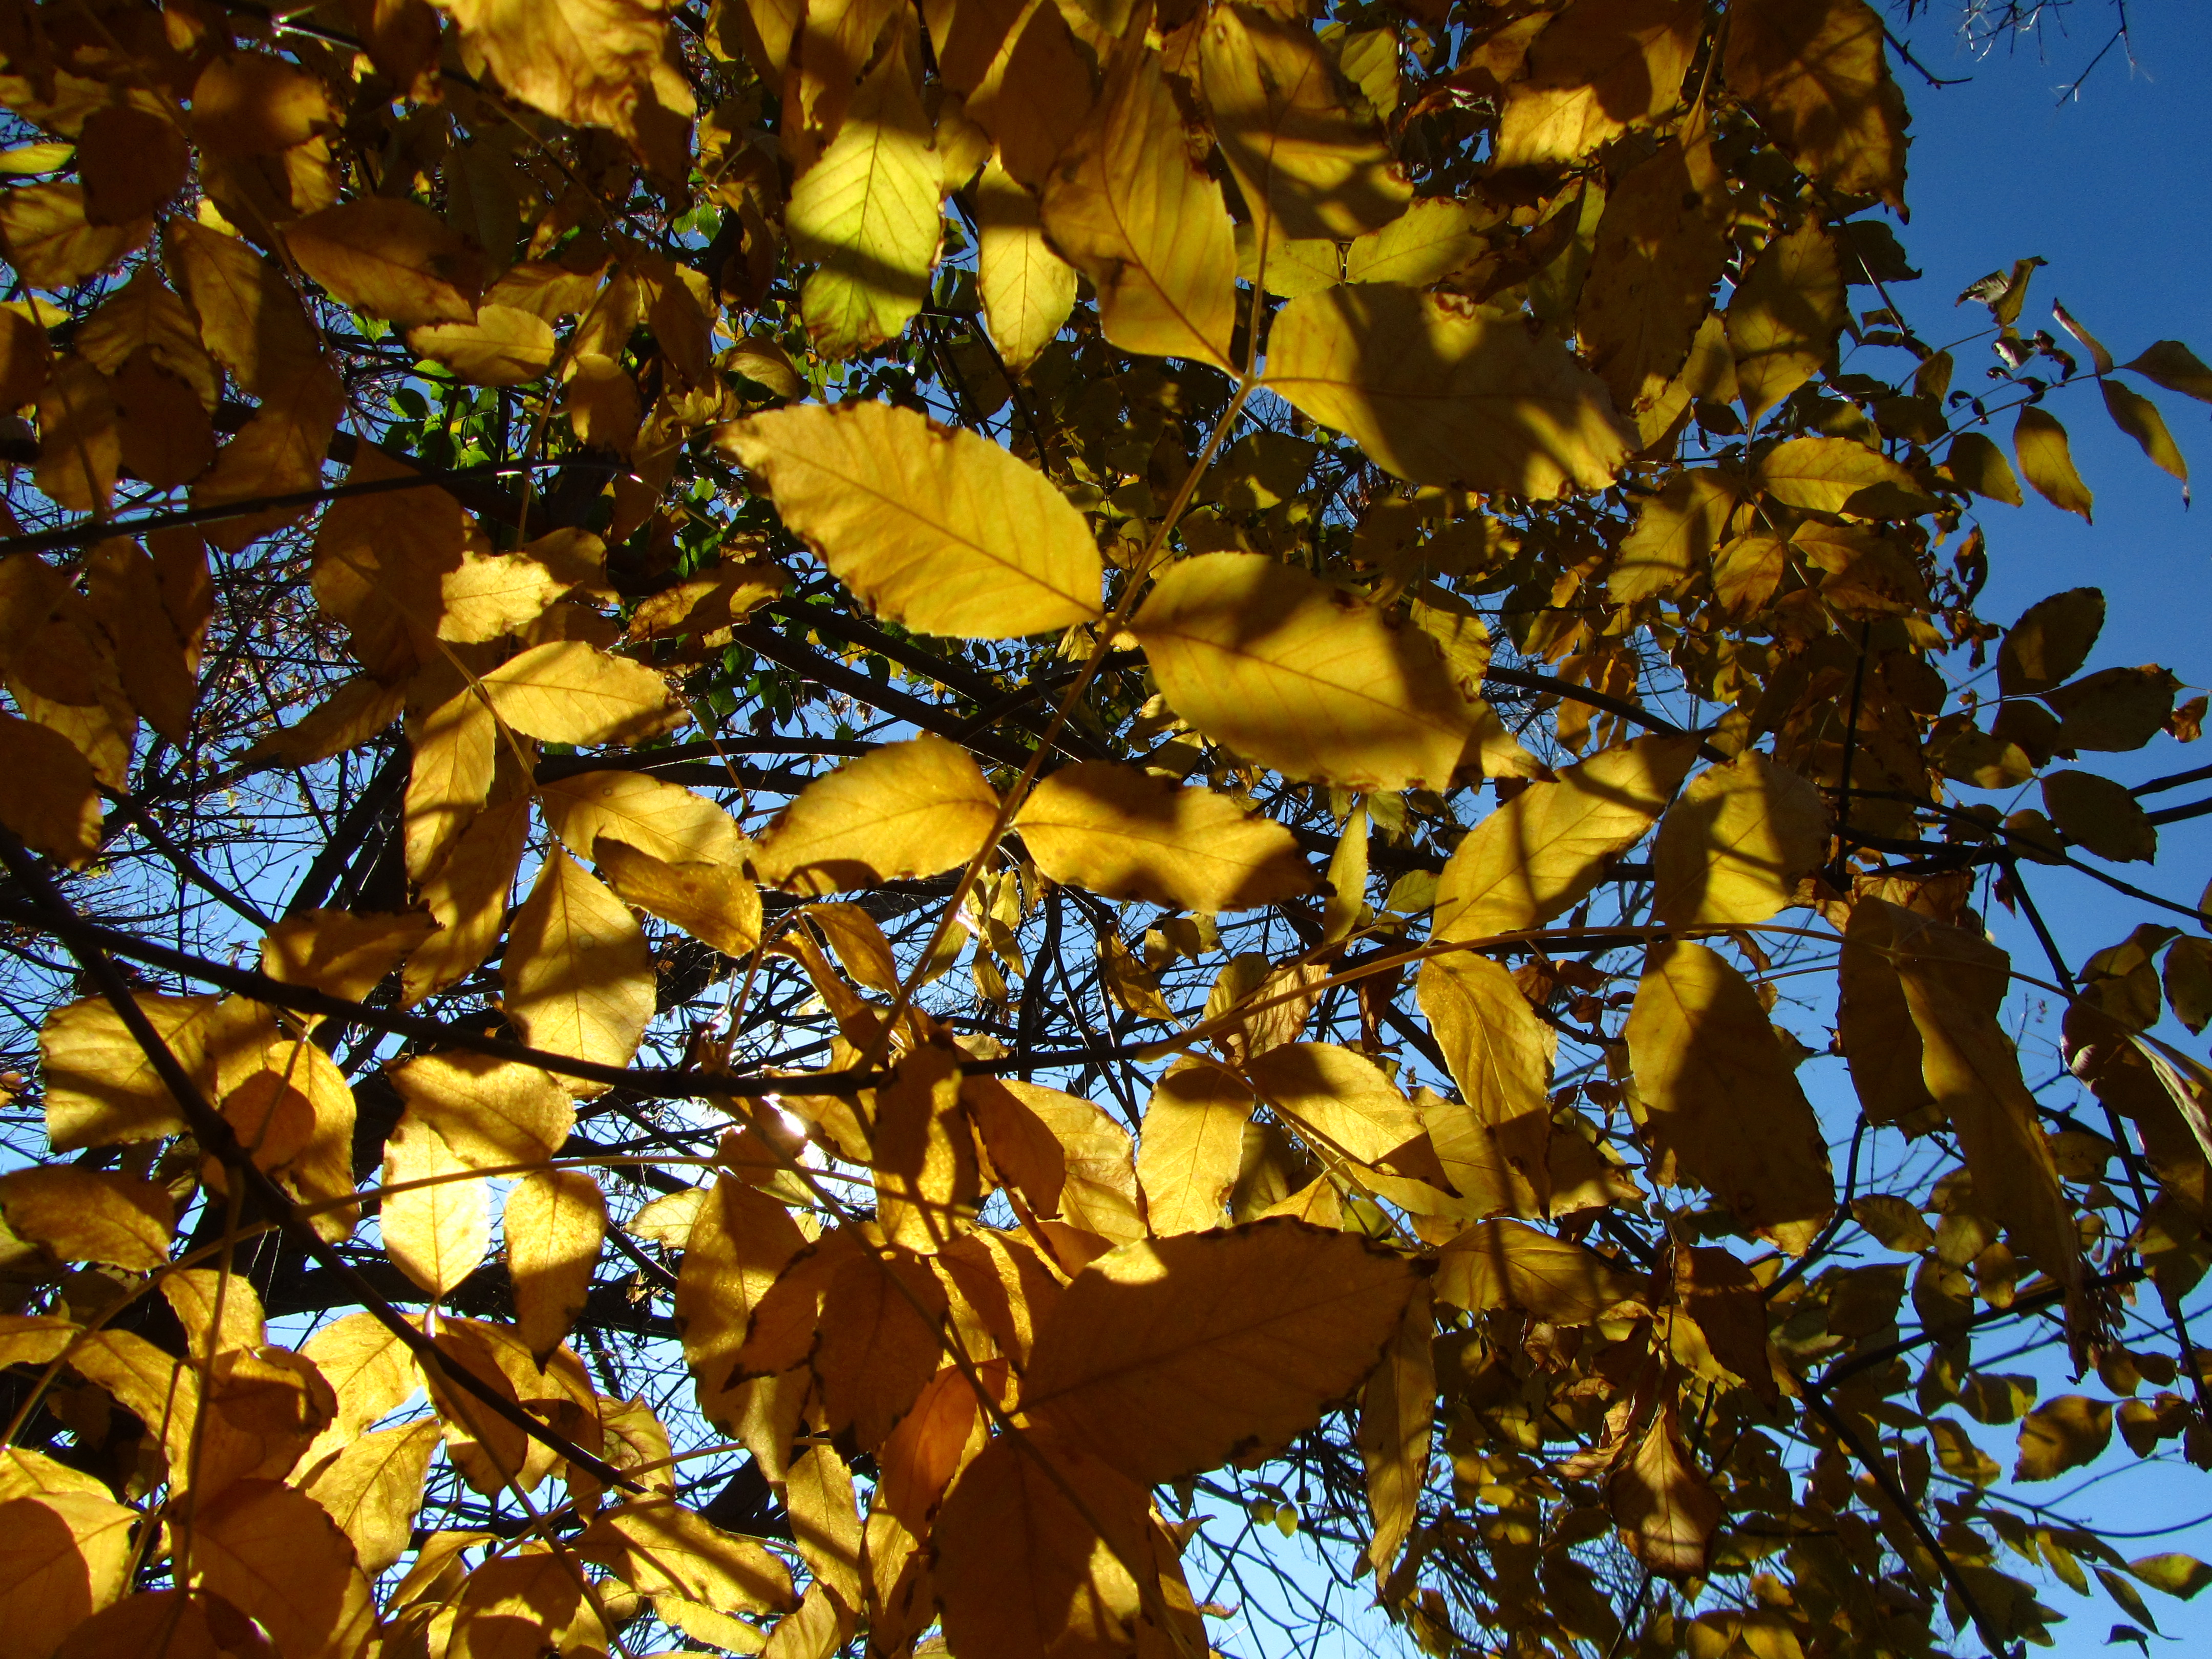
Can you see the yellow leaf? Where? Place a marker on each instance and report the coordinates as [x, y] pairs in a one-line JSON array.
[[374, 1489], [1192, 1147], [554, 1221], [1732, 848], [1667, 1509], [910, 808], [99, 1087], [1128, 834], [530, 1598], [879, 1342], [825, 1520], [389, 258], [1127, 207], [1397, 1421], [248, 103], [1029, 91], [53, 800], [1723, 1108], [1028, 290], [2062, 1434], [2137, 417], [1600, 68], [192, 1296], [1785, 315], [1021, 1572], [494, 594], [868, 213], [1974, 461], [1432, 238], [279, 451], [1953, 983], [1814, 73], [339, 953], [370, 1374], [567, 692], [1301, 157], [585, 61], [49, 240], [938, 529], [738, 1245], [437, 1234], [454, 755], [468, 895], [716, 903], [2172, 365], [249, 315], [63, 1556], [90, 1215], [579, 975], [1302, 676], [1491, 1148], [499, 345], [381, 561], [927, 1180], [265, 1546], [1440, 392], [1502, 1264], [1166, 1356], [665, 820], [1537, 855], [1675, 535], [1824, 475], [80, 447], [1336, 1098]]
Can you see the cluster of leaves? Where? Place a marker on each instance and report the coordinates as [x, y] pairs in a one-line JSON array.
[[1224, 530]]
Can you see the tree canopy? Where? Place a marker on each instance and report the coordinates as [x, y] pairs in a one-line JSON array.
[[1059, 829]]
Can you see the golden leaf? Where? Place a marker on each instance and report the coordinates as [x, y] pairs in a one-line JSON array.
[[1732, 847], [867, 212], [278, 452], [1723, 1108], [664, 820], [1028, 290], [249, 315], [54, 244], [579, 975], [1675, 535], [90, 1215], [373, 1490], [1299, 155], [494, 594], [738, 1245], [825, 1519], [1814, 73], [455, 751], [910, 808], [1021, 1573], [1191, 1148], [1397, 1421], [927, 1180], [337, 952], [2046, 460], [659, 1546], [1601, 67], [1128, 834], [2062, 1434], [1302, 676], [499, 345], [53, 800], [554, 1221], [1491, 1148], [468, 895], [63, 1556], [80, 447], [1441, 392], [1537, 855], [265, 1546], [938, 529], [1166, 1356], [100, 1086], [714, 903], [1667, 1509], [1504, 1264], [371, 1376], [437, 1234], [567, 692], [391, 258], [1785, 315], [1824, 474], [1126, 206], [585, 61]]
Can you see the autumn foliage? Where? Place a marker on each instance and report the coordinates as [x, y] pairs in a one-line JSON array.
[[845, 828]]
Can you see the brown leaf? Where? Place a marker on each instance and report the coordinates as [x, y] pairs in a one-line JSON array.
[[1667, 1509]]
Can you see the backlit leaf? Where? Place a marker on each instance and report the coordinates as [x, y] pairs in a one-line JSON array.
[[1601, 67], [554, 1221], [2047, 462], [1168, 1355], [940, 530], [1733, 846], [1192, 1147], [2051, 641], [1505, 1264], [910, 808], [267, 1547], [1785, 315], [1724, 1109], [438, 1233], [1815, 75], [579, 975], [567, 692], [1301, 675], [390, 258], [1441, 393], [1667, 1509], [2062, 1434], [1028, 290], [90, 1215]]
